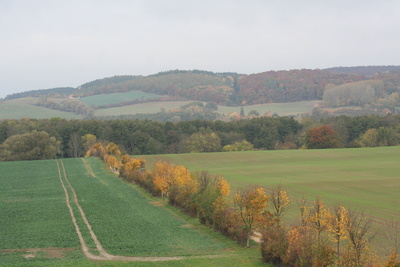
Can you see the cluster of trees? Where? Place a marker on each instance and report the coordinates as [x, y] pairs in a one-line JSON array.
[[78, 107], [323, 236], [29, 146], [320, 237], [353, 94], [137, 137]]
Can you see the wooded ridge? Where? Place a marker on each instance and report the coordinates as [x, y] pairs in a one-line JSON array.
[[232, 88]]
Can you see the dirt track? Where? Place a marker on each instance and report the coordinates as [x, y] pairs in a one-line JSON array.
[[103, 255]]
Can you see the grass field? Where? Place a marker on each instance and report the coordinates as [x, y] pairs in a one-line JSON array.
[[24, 108], [365, 179], [107, 99], [37, 229]]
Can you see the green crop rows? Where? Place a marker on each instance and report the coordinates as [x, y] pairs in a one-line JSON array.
[[125, 221], [36, 220]]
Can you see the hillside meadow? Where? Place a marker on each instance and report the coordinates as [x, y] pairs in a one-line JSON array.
[[132, 227], [25, 108], [366, 179], [114, 98]]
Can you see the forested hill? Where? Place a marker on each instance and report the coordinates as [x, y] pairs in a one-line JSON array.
[[49, 92], [365, 70], [233, 88]]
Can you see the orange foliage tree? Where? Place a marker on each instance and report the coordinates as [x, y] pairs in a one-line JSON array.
[[250, 204], [166, 175]]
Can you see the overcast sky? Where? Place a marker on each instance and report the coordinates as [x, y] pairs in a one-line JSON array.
[[55, 43]]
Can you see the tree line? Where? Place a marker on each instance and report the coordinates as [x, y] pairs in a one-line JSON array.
[[320, 236], [139, 137]]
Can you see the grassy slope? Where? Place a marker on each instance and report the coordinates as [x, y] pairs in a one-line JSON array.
[[23, 108], [106, 99], [366, 179], [34, 215]]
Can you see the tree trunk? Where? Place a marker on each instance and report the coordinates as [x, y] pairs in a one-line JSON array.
[[248, 238]]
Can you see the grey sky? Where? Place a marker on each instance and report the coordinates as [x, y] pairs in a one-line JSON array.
[[45, 44]]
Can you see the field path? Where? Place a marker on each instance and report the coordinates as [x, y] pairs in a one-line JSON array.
[[104, 255]]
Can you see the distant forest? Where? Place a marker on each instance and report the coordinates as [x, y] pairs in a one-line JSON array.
[[234, 89]]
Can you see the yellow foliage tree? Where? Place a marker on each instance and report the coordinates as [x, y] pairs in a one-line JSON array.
[[166, 175], [113, 149], [221, 201], [250, 203], [319, 216], [131, 165], [97, 150], [280, 202], [112, 162], [338, 227]]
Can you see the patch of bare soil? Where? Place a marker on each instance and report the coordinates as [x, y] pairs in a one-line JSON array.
[[51, 252], [88, 168], [157, 203]]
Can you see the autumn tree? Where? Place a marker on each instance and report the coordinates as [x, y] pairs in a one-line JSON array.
[[97, 150], [279, 201], [359, 234], [113, 149], [250, 203], [338, 227], [319, 216], [321, 137], [166, 175], [211, 198], [111, 162]]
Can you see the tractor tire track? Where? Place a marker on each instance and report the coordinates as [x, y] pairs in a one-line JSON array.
[[104, 255]]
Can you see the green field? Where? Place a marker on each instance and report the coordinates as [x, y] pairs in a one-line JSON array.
[[37, 229], [107, 99], [24, 108], [364, 179]]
